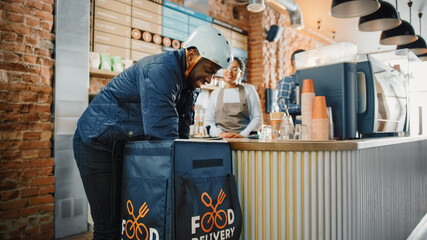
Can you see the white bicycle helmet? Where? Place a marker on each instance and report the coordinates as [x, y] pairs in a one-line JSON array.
[[211, 44]]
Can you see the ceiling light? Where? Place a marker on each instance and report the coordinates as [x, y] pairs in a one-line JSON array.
[[290, 7], [353, 8], [422, 57], [384, 18], [296, 19], [256, 6], [402, 34], [418, 47]]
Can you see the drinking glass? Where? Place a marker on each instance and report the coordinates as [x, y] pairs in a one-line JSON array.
[[286, 131], [301, 132], [266, 132]]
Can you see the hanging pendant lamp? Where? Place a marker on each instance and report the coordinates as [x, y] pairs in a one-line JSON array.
[[418, 47], [402, 34], [422, 57], [384, 18], [353, 8], [256, 6]]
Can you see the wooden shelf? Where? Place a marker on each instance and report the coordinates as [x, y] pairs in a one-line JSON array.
[[109, 74], [102, 73]]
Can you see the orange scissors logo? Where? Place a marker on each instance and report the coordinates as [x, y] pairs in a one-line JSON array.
[[134, 227], [217, 217]]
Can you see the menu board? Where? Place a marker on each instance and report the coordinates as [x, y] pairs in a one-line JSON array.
[[133, 29]]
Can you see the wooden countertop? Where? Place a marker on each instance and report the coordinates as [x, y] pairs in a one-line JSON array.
[[300, 145]]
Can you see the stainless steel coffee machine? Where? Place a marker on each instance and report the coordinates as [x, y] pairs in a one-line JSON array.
[[368, 98], [382, 98]]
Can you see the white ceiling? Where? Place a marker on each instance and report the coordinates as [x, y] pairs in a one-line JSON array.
[[346, 29]]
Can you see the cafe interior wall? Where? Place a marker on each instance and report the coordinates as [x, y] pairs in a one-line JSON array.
[[268, 62]]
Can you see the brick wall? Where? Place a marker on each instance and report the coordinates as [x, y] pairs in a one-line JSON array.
[[268, 62], [26, 70], [236, 15]]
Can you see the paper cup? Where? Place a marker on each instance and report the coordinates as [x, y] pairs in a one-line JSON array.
[[320, 121], [320, 129], [319, 108], [307, 86], [307, 111]]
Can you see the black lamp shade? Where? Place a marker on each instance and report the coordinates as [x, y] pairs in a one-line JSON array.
[[418, 47], [353, 8], [423, 57], [402, 34], [384, 18]]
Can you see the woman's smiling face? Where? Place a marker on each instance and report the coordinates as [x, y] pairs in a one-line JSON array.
[[230, 74]]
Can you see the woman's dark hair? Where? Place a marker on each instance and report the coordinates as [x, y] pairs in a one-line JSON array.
[[241, 64], [295, 53]]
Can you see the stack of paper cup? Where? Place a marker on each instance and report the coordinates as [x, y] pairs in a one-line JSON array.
[[307, 96], [320, 122]]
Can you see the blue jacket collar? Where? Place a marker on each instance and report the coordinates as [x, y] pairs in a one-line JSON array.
[[183, 67]]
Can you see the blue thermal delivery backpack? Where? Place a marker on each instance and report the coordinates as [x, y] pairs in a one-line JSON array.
[[180, 189]]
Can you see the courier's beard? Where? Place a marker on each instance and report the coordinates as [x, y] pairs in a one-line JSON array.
[[194, 82], [198, 82]]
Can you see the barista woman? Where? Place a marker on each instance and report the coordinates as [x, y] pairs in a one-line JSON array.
[[235, 110]]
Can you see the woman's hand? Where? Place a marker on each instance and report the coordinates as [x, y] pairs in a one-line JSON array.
[[229, 135]]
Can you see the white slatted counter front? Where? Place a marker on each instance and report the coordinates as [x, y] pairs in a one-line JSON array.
[[294, 190]]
